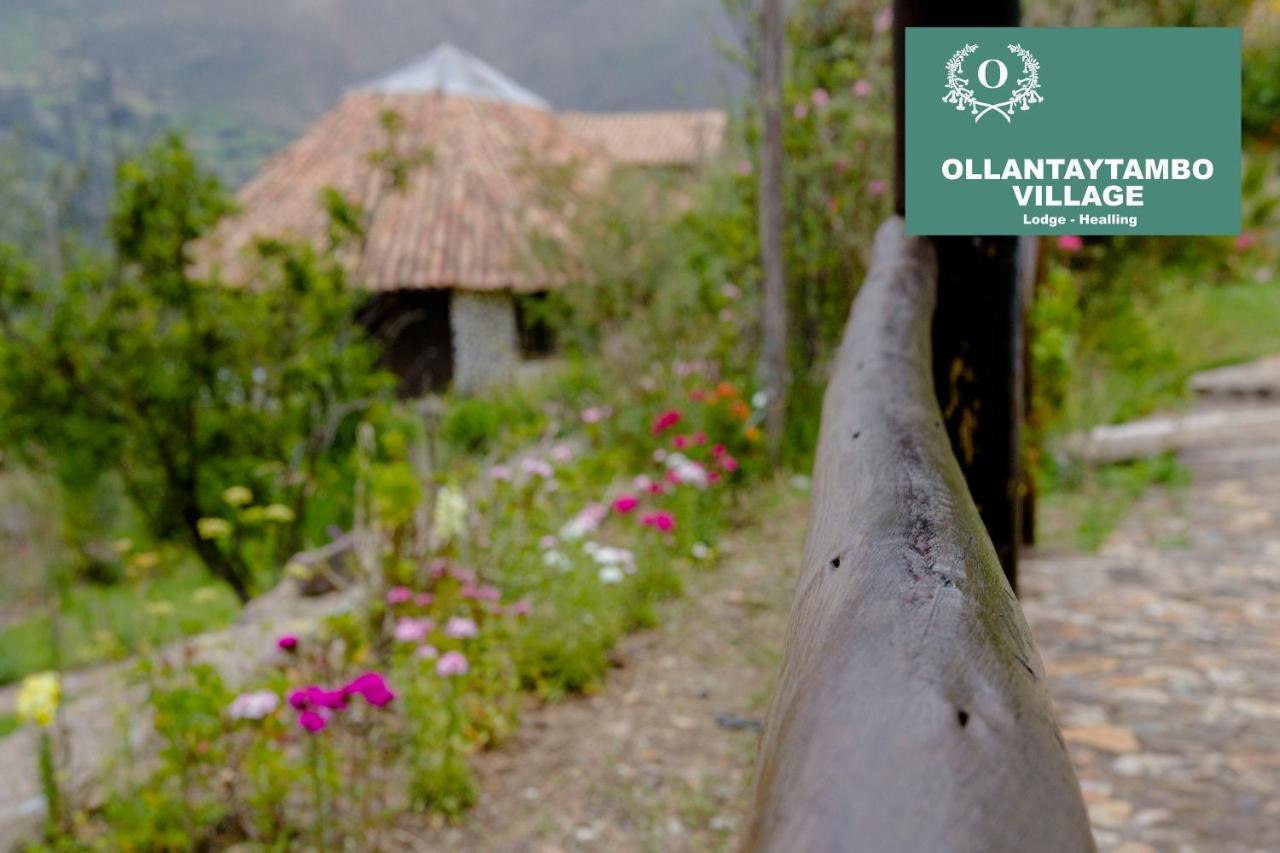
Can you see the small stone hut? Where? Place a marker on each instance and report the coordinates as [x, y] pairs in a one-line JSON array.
[[448, 260]]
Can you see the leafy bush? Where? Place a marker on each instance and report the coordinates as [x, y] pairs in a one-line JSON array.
[[181, 386]]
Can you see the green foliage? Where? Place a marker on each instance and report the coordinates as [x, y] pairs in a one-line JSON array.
[[1096, 501], [180, 386]]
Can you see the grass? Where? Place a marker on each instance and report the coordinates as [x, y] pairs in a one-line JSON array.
[[1187, 329], [110, 622], [9, 724]]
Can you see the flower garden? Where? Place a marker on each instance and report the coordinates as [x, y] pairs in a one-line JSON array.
[[512, 576]]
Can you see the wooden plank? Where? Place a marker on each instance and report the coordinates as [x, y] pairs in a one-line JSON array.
[[911, 712]]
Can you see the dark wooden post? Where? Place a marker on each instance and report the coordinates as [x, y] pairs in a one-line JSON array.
[[977, 353]]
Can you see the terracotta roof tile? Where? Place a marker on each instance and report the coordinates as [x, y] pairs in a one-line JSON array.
[[652, 138]]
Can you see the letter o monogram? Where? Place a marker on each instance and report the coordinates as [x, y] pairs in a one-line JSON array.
[[982, 74]]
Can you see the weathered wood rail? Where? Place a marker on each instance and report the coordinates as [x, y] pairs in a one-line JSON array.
[[911, 712]]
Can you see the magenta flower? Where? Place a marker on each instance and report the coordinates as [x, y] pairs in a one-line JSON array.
[[819, 96], [665, 421], [461, 628], [1070, 243], [1244, 242], [699, 438], [729, 464], [488, 592], [713, 477], [680, 442], [287, 643], [373, 687], [464, 575], [861, 89], [719, 450], [452, 663], [537, 468], [424, 599], [663, 520], [399, 595], [312, 721], [624, 504]]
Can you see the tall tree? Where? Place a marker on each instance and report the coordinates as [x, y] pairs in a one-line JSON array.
[[773, 350]]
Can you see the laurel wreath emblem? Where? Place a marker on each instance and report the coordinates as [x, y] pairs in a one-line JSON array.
[[1025, 93]]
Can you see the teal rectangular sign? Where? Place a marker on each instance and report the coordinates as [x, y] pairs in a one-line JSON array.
[[1072, 131]]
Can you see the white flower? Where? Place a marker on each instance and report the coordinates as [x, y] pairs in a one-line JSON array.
[[610, 557], [759, 399], [700, 550], [586, 521], [255, 705], [557, 560], [450, 513], [611, 574]]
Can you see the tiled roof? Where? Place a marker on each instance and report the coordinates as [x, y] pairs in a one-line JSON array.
[[652, 138], [462, 222]]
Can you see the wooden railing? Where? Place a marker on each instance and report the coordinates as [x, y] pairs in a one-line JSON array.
[[911, 713]]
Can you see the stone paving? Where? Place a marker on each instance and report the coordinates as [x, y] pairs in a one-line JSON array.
[[1163, 655]]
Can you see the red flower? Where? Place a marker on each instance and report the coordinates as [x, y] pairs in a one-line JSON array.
[[625, 504], [665, 421], [664, 521]]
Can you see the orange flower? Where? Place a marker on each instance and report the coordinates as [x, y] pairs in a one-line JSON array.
[[752, 433], [740, 410], [726, 389]]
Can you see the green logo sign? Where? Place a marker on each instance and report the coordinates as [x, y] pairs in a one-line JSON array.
[[1072, 131]]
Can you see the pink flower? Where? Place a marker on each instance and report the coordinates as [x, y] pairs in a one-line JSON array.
[[298, 699], [656, 488], [461, 628], [486, 592], [312, 721], [287, 643], [819, 97], [719, 450], [596, 414], [665, 421], [254, 705], [562, 453], [501, 473], [680, 442], [663, 520], [1070, 243], [399, 595], [730, 291], [464, 575], [548, 542], [699, 438], [452, 663], [697, 395], [877, 186], [883, 20], [1244, 242], [801, 110], [537, 468], [624, 504], [427, 652], [861, 89], [523, 607], [412, 630], [642, 483], [439, 568], [729, 464], [744, 167], [424, 599], [713, 477]]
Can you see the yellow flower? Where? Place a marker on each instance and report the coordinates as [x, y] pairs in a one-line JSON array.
[[237, 496], [38, 698], [213, 528], [278, 513], [158, 608], [205, 594], [144, 561]]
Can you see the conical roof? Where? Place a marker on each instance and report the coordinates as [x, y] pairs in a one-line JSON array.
[[452, 71], [463, 221]]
